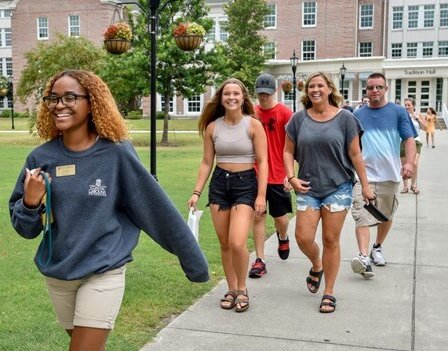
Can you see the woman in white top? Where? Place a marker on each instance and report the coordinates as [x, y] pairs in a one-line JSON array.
[[419, 123]]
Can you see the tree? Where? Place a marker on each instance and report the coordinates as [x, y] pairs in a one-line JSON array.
[[178, 72], [49, 58], [243, 51]]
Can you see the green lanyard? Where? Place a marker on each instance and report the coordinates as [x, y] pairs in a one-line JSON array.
[[47, 239]]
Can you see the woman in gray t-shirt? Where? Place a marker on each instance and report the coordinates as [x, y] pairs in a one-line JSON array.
[[325, 142]]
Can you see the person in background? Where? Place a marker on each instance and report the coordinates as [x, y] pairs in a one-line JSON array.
[[347, 106], [325, 141], [235, 192], [385, 124], [96, 211], [431, 121], [274, 116], [364, 101], [418, 121]]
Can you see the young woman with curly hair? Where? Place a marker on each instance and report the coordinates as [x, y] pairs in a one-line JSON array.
[[101, 198]]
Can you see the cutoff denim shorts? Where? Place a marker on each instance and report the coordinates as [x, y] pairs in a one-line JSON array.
[[337, 201], [228, 189]]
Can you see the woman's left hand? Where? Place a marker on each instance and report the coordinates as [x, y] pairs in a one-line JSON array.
[[260, 205]]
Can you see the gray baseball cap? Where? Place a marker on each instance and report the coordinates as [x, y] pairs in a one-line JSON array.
[[265, 83]]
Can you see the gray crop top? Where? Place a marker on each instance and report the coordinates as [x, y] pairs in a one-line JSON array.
[[233, 144]]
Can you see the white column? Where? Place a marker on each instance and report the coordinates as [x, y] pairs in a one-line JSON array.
[[392, 85], [445, 92]]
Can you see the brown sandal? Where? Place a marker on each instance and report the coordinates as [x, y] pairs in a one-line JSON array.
[[241, 304], [229, 300], [414, 189]]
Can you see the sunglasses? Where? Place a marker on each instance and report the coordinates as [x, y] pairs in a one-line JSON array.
[[377, 87]]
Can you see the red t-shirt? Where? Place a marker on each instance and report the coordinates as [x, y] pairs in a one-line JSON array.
[[274, 122]]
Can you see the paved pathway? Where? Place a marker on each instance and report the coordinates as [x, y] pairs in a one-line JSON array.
[[403, 308]]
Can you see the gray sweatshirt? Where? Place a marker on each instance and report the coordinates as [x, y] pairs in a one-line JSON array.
[[101, 199]]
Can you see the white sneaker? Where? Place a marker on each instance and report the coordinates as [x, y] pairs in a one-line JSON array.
[[377, 257], [361, 265]]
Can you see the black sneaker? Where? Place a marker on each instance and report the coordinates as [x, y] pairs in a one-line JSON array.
[[283, 247], [258, 269]]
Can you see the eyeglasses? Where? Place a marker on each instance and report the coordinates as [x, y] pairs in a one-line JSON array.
[[377, 87], [68, 100]]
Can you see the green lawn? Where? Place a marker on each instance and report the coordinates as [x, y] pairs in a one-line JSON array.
[[156, 287]]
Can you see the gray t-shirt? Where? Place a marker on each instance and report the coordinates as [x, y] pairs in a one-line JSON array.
[[322, 150]]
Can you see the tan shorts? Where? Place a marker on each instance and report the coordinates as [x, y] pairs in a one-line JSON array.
[[92, 302], [386, 201]]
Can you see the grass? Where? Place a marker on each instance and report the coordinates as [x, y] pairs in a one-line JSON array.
[[156, 288]]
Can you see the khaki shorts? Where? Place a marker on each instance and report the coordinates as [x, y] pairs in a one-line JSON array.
[[386, 201], [92, 302]]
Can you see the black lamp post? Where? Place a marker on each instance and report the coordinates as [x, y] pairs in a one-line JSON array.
[[294, 59], [343, 71], [152, 16], [11, 97]]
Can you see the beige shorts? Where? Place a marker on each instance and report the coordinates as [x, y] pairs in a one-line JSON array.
[[92, 302], [386, 201]]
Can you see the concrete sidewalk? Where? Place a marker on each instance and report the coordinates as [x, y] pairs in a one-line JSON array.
[[402, 308]]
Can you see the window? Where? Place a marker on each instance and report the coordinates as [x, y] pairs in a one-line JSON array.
[[223, 34], [308, 50], [365, 49], [427, 48], [6, 13], [194, 104], [9, 66], [428, 16], [73, 26], [8, 37], [398, 89], [443, 48], [171, 104], [211, 35], [396, 50], [366, 17], [443, 15], [412, 16], [411, 50], [397, 17], [309, 14], [269, 50], [270, 20], [42, 28]]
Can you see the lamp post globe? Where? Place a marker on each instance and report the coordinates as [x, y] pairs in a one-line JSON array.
[[343, 71]]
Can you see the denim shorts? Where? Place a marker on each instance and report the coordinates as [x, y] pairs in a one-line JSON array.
[[228, 189], [337, 201]]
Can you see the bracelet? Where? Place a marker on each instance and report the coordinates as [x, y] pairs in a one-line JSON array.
[[289, 179], [197, 192]]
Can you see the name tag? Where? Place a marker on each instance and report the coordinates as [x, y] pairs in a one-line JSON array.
[[64, 171]]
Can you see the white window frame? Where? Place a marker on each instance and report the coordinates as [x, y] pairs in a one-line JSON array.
[[271, 17], [442, 45], [396, 48], [429, 46], [307, 52], [362, 16], [428, 15], [172, 104], [412, 46], [223, 34], [270, 46], [74, 27], [443, 22], [412, 9], [211, 35], [42, 28], [309, 16], [8, 61], [187, 105], [397, 17], [365, 51]]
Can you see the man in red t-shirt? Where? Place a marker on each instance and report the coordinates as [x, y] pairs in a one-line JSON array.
[[274, 116]]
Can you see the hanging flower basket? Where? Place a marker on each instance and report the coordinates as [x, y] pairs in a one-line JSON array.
[[117, 38], [286, 86], [300, 85], [117, 46], [188, 36], [4, 86]]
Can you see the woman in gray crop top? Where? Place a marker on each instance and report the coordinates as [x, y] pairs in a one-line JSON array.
[[236, 192], [325, 141]]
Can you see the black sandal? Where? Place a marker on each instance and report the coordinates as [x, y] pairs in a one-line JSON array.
[[228, 301], [314, 283], [323, 303]]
